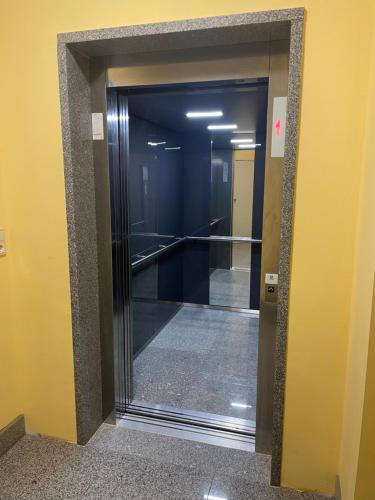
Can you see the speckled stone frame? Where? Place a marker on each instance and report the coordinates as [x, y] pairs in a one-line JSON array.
[[75, 51]]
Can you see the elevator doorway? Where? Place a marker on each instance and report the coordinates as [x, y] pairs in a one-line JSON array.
[[187, 214]]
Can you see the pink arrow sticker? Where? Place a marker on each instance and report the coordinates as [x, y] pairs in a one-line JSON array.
[[278, 127]]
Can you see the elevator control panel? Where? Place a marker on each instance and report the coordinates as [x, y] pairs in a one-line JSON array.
[[2, 242], [271, 285]]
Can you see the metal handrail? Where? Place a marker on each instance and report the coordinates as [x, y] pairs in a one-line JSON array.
[[233, 239], [216, 221], [161, 250], [164, 248]]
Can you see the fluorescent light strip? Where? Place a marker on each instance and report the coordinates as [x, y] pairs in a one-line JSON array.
[[204, 114], [177, 147], [248, 146], [230, 126], [244, 132], [239, 141], [156, 143]]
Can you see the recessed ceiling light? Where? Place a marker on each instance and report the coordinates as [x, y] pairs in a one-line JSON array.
[[176, 147], [230, 126], [239, 141], [204, 114], [248, 146], [244, 132], [150, 143]]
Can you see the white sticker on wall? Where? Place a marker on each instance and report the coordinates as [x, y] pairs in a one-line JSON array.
[[97, 126], [278, 127], [271, 279]]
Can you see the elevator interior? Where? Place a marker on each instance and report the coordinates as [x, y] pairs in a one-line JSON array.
[[191, 163]]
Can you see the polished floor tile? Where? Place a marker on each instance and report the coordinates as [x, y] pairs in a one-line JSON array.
[[166, 376], [164, 482], [229, 487], [230, 287], [119, 463], [203, 360], [194, 455]]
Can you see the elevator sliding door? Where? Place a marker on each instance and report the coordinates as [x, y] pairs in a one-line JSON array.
[[186, 284]]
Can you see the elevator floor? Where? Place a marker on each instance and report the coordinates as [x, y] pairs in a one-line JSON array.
[[230, 287], [203, 360]]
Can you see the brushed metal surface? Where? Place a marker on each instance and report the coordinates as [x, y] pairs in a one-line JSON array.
[[241, 61], [278, 86], [103, 217]]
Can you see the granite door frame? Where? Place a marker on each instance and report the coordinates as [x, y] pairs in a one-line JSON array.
[[76, 51]]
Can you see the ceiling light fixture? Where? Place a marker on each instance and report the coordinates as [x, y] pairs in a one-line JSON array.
[[150, 143], [176, 147], [204, 114], [244, 132], [230, 126], [240, 141], [248, 146]]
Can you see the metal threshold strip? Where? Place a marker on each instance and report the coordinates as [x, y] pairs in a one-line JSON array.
[[181, 430], [193, 418]]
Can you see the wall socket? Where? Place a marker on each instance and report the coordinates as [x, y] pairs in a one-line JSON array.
[[3, 250]]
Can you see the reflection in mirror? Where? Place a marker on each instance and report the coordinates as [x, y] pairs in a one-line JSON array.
[[155, 193], [232, 179]]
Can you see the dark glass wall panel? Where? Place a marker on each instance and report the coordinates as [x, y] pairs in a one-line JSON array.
[[156, 208], [170, 222], [221, 207], [197, 216], [197, 184], [145, 304]]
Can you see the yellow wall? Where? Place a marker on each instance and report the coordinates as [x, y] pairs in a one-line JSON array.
[[329, 168], [10, 402], [361, 307], [38, 306], [330, 153], [365, 484]]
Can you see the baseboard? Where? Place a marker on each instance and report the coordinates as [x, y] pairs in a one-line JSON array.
[[337, 488], [10, 434]]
